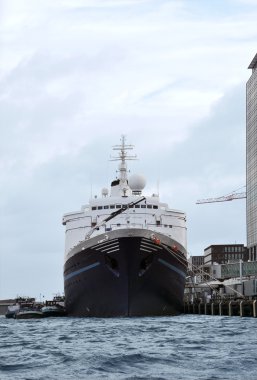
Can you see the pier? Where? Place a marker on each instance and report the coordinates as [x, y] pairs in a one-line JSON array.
[[231, 308]]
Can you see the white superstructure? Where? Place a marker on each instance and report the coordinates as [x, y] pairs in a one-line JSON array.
[[150, 213]]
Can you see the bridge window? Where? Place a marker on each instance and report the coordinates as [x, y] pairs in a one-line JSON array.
[[112, 206], [93, 208], [143, 206], [155, 206], [118, 206], [149, 206], [99, 207], [137, 206], [106, 207]]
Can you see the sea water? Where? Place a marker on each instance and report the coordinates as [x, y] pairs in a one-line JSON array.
[[188, 347]]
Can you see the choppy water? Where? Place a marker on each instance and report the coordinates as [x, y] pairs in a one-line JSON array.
[[187, 347]]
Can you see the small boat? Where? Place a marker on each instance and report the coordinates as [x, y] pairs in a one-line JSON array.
[[20, 302], [28, 313], [53, 311], [54, 307], [12, 310]]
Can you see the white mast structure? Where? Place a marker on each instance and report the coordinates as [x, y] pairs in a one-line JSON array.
[[121, 187]]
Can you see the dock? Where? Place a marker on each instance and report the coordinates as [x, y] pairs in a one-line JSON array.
[[239, 308]]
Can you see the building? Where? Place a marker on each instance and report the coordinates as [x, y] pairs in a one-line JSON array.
[[196, 261], [223, 254], [251, 160], [196, 269]]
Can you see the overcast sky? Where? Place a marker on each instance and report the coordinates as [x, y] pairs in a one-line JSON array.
[[75, 75]]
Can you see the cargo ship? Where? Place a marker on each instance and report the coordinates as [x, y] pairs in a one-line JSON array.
[[125, 252]]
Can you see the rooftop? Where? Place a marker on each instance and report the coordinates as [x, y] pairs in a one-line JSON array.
[[253, 64]]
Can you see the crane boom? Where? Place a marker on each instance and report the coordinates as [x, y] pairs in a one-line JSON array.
[[229, 197]]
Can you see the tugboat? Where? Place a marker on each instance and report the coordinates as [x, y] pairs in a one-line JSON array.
[[28, 313], [28, 309], [125, 253], [54, 308]]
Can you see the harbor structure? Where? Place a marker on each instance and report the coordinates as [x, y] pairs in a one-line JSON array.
[[195, 261], [224, 253], [251, 160]]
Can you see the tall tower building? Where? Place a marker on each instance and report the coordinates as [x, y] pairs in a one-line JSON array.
[[251, 160]]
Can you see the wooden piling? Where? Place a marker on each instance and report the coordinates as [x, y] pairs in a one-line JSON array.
[[255, 308]]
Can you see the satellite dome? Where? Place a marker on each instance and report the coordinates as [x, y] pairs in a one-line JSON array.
[[104, 192], [136, 182]]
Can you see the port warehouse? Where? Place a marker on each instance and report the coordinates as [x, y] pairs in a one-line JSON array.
[[222, 282], [223, 262]]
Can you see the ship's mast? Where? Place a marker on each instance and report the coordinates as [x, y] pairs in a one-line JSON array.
[[123, 157]]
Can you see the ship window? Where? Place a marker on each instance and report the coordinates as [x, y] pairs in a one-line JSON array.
[[93, 208], [155, 207], [170, 226], [112, 206], [137, 206], [131, 206], [158, 222], [149, 206], [118, 206], [165, 225], [106, 207], [99, 207], [143, 206]]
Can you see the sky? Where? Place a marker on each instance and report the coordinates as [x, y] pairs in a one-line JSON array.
[[75, 75]]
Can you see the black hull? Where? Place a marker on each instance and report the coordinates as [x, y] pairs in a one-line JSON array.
[[125, 276]]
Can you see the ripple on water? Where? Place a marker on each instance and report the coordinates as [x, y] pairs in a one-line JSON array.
[[187, 347]]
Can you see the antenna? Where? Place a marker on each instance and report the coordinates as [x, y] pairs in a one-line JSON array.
[[123, 157], [122, 148]]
